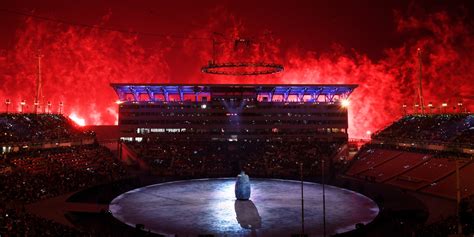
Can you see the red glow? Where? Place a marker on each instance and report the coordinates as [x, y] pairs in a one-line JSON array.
[[79, 64], [78, 120]]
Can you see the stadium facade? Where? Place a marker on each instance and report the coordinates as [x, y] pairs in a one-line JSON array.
[[232, 112]]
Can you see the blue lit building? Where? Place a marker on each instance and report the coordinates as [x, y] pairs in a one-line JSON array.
[[233, 111]]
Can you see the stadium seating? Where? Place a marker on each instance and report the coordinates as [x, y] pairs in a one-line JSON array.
[[369, 158], [261, 158], [425, 174], [466, 137], [36, 128], [30, 174], [424, 169], [393, 167], [433, 128], [447, 187]]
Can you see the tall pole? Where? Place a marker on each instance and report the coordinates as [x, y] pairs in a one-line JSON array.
[[324, 195], [38, 83], [213, 51], [61, 104], [7, 103], [22, 103], [49, 107], [44, 105], [302, 199], [460, 107], [420, 89]]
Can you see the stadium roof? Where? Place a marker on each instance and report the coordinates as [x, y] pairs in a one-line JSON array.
[[329, 91]]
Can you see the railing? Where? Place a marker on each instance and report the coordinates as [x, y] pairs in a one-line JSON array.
[[54, 143], [429, 145]]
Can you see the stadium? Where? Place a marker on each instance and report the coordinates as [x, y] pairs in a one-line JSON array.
[[236, 148]]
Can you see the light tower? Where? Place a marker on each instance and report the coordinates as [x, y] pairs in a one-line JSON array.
[[49, 107], [38, 83], [7, 103], [430, 105], [61, 105], [460, 106], [22, 104], [420, 89]]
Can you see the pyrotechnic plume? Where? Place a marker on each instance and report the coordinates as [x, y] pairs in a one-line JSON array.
[[79, 63]]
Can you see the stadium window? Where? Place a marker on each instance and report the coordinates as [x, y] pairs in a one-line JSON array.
[[159, 97], [157, 130], [174, 97], [129, 97], [143, 97], [143, 130], [293, 98], [189, 97]]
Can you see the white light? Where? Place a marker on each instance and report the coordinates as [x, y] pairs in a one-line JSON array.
[[203, 106], [345, 103], [78, 120]]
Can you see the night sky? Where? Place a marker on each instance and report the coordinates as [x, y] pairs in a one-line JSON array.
[[370, 43]]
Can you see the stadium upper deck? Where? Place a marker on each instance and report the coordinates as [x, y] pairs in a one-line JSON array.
[[232, 112], [204, 92]]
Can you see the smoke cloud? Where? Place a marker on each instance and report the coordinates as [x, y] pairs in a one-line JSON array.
[[80, 63]]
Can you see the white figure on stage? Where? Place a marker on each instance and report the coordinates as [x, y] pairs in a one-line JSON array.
[[242, 187]]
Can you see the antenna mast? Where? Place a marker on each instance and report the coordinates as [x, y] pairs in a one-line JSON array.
[[38, 82], [420, 89]]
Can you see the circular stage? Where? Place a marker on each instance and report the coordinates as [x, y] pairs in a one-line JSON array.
[[208, 206]]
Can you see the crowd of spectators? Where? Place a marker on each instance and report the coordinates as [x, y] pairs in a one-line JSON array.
[[18, 222], [30, 176], [69, 168], [37, 127], [466, 137], [256, 157], [431, 127]]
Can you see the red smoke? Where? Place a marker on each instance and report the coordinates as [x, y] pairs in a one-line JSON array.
[[79, 63]]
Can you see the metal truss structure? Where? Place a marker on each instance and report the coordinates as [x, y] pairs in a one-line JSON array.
[[242, 68], [261, 92]]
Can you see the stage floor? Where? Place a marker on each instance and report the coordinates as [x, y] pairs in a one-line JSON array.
[[208, 206]]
